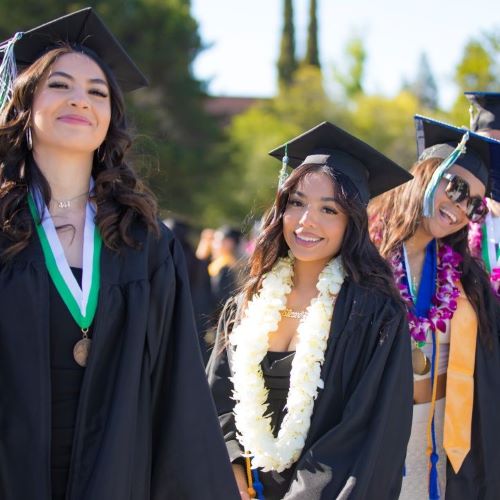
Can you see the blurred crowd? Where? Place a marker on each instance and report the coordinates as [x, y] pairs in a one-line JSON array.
[[215, 260]]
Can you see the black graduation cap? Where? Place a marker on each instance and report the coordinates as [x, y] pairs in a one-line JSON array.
[[485, 111], [481, 156], [370, 171], [83, 28]]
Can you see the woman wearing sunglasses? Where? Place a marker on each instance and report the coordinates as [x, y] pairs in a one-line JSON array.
[[422, 230]]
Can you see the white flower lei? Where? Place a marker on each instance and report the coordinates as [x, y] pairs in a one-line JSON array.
[[251, 339]]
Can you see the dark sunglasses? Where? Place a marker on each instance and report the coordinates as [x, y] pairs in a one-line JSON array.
[[457, 191]]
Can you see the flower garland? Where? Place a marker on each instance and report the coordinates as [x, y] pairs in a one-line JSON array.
[[476, 248], [444, 301], [251, 342], [475, 239]]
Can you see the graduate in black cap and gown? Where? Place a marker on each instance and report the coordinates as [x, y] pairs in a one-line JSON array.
[[453, 315], [311, 370], [103, 392], [484, 238]]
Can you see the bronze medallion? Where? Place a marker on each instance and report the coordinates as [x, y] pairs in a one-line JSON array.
[[81, 351], [421, 363]]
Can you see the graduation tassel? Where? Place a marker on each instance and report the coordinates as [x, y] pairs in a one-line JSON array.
[[284, 168], [258, 486], [428, 208], [248, 469], [434, 493], [255, 487], [8, 69]]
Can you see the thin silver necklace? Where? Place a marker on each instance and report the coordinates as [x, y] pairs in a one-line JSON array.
[[67, 203]]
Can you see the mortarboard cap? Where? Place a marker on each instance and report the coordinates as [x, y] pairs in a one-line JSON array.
[[83, 28], [370, 171], [479, 155], [485, 110]]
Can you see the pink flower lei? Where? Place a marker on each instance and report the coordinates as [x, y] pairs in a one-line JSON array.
[[444, 301], [476, 247]]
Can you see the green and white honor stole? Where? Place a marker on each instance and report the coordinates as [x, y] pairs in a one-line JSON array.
[[490, 249], [80, 301]]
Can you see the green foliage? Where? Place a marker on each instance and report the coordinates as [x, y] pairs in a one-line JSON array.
[[479, 69], [252, 172], [176, 137], [351, 81], [312, 53], [287, 63], [305, 103], [475, 71], [386, 123], [214, 176], [424, 87]]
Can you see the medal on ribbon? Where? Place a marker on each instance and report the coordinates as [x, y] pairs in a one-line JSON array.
[[80, 301]]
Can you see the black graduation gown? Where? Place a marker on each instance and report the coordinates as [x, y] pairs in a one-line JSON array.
[[224, 285], [479, 476], [146, 427], [356, 444]]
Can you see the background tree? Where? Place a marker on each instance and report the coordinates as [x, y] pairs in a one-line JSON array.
[[387, 124], [254, 133], [424, 87], [176, 136], [351, 81], [475, 70], [312, 52], [287, 63], [478, 69]]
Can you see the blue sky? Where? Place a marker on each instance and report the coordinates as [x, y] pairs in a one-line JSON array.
[[242, 38]]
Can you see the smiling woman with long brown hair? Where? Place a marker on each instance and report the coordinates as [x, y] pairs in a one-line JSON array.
[[421, 228], [103, 391], [312, 359]]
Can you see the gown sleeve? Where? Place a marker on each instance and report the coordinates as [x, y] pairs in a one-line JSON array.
[[362, 456], [219, 373], [189, 459]]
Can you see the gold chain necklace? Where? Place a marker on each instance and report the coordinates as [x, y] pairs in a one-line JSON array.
[[289, 313]]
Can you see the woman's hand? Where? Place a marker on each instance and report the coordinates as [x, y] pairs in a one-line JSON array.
[[241, 481], [204, 249]]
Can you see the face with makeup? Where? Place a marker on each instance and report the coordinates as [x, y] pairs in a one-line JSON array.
[[449, 216], [71, 106], [313, 223]]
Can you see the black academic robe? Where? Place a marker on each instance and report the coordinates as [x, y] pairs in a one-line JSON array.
[[479, 476], [146, 427], [356, 444]]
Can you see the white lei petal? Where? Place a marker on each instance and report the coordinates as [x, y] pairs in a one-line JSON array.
[[251, 340]]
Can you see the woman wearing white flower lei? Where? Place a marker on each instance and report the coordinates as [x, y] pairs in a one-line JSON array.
[[311, 357]]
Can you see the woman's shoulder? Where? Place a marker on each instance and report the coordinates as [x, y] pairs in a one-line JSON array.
[[153, 248], [370, 299]]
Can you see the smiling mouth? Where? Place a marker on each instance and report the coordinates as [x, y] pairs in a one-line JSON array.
[[78, 120], [307, 240], [446, 214]]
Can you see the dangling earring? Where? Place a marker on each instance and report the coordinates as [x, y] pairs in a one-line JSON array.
[[29, 139]]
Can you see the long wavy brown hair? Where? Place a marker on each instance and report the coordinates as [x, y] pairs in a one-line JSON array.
[[395, 217], [120, 197], [361, 260]]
